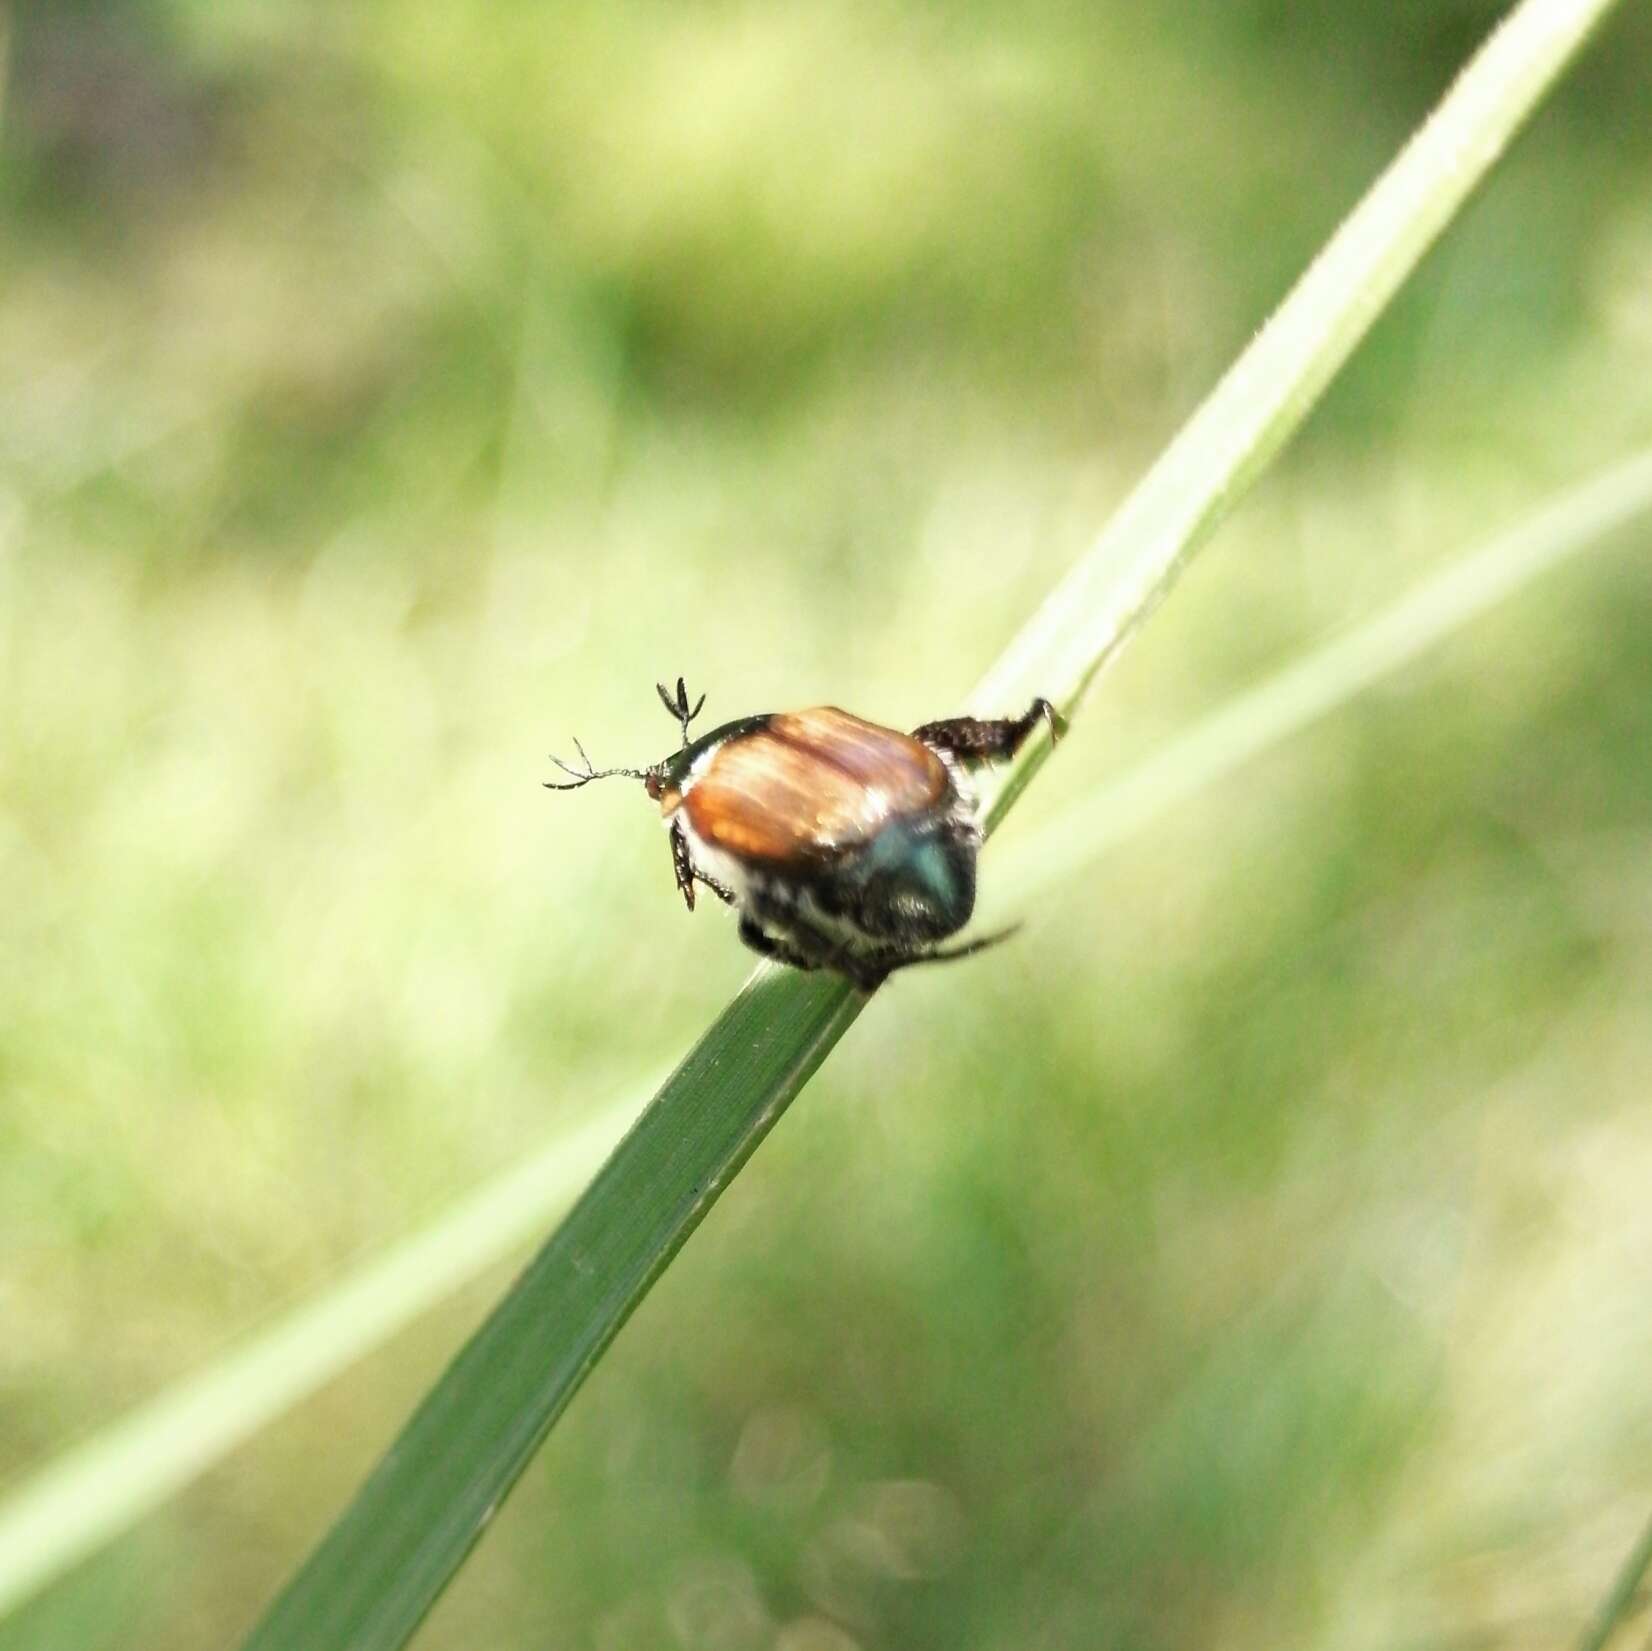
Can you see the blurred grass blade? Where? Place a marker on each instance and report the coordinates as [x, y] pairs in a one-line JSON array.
[[382, 1565], [130, 1469], [1581, 519], [1618, 1604], [90, 1493], [1273, 385]]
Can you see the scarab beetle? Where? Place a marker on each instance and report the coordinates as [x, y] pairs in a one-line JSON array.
[[842, 844]]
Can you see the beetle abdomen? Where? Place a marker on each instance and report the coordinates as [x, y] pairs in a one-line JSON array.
[[811, 784], [914, 883]]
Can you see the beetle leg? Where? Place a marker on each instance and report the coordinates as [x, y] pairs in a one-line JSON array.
[[765, 945], [795, 940], [952, 954], [721, 890], [973, 739], [682, 864], [803, 946], [688, 874], [867, 974]]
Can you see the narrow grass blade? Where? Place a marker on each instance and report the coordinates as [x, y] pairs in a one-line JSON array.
[[88, 1494], [1271, 388], [1626, 1587], [380, 1568], [385, 1561], [1581, 519]]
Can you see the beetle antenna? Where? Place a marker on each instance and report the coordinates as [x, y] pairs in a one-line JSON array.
[[676, 705], [584, 776]]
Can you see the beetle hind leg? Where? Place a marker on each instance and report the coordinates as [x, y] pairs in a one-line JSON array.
[[803, 946], [977, 739], [954, 954]]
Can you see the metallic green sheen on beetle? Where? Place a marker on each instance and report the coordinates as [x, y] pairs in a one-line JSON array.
[[842, 844]]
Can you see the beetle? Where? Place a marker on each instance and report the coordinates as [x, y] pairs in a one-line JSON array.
[[842, 844]]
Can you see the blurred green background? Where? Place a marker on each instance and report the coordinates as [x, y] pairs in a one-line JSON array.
[[1260, 1252]]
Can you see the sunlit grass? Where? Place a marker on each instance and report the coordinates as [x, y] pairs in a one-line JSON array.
[[382, 1565], [126, 1471], [303, 567]]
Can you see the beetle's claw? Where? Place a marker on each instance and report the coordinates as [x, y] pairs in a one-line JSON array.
[[1057, 722]]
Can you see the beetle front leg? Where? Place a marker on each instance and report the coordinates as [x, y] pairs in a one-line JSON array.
[[682, 864], [688, 874], [721, 890], [975, 739]]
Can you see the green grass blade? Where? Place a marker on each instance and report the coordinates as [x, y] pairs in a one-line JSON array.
[[384, 1563], [1581, 519], [1626, 1587], [1273, 385], [90, 1493], [380, 1568]]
